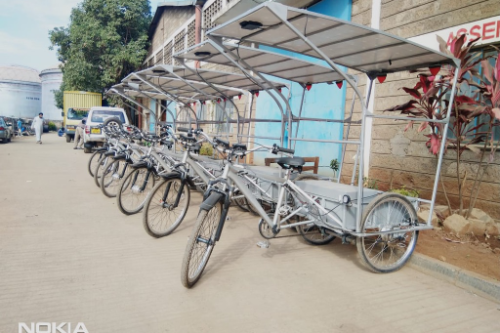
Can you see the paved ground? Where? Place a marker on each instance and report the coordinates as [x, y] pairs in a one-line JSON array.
[[68, 255]]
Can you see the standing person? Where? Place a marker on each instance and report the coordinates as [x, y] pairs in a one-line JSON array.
[[19, 127], [79, 134], [37, 125]]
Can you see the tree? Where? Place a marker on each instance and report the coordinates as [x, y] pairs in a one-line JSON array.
[[105, 41]]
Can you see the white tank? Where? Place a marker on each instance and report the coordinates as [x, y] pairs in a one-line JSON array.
[[51, 80], [20, 92]]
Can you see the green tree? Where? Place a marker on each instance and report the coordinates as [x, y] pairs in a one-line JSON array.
[[105, 41]]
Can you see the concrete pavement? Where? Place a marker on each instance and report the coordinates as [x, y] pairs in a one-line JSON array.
[[68, 255]]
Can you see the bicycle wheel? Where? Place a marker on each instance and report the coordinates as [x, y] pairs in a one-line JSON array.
[[200, 245], [110, 178], [239, 200], [99, 170], [160, 218], [93, 161], [388, 252], [315, 235], [134, 189]]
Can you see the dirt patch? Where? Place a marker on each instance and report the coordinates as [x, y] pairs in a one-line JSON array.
[[481, 256]]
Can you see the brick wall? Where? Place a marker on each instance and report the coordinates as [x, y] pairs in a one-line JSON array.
[[400, 158]]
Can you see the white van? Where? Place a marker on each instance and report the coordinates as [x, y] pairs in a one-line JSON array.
[[93, 135]]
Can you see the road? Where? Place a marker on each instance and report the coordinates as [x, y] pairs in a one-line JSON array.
[[67, 254]]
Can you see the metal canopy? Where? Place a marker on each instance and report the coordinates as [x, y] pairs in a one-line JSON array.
[[266, 62], [201, 84], [345, 43], [130, 91]]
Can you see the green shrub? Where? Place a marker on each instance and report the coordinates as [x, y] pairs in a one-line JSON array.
[[406, 192], [52, 126], [206, 149]]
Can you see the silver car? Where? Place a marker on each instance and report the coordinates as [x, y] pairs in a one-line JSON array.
[[6, 131]]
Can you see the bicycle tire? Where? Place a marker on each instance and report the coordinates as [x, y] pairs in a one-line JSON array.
[[155, 207], [126, 190], [206, 226], [110, 178], [99, 169], [93, 160], [387, 212]]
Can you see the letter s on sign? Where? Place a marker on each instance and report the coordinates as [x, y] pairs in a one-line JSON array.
[[475, 31]]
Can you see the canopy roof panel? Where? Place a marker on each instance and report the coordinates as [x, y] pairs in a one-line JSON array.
[[279, 65], [345, 43], [200, 84]]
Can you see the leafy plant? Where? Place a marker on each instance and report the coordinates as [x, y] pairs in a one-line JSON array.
[[334, 165], [469, 115], [406, 192], [370, 183], [206, 149], [52, 126]]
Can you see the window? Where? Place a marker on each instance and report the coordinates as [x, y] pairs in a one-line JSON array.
[[99, 116], [77, 114]]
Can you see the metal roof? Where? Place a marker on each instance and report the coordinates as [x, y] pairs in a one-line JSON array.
[[19, 73], [202, 84], [279, 65], [345, 43]]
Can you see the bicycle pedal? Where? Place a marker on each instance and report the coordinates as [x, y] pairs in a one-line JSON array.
[[263, 245]]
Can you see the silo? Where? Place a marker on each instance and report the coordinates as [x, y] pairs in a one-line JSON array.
[[20, 92], [51, 80]]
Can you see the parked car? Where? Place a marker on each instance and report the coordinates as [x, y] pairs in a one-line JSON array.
[[93, 135], [6, 131]]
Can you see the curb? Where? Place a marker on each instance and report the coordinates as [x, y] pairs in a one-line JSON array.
[[470, 281]]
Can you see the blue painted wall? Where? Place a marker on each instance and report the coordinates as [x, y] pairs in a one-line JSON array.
[[152, 106], [322, 101]]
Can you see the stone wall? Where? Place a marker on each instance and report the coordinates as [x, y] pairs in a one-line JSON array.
[[398, 157]]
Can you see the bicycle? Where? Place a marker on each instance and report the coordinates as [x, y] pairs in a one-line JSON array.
[[385, 239]]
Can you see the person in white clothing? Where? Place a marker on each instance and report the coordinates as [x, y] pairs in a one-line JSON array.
[[37, 125]]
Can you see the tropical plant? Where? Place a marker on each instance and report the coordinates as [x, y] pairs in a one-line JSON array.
[[52, 126], [469, 115], [406, 192], [334, 165]]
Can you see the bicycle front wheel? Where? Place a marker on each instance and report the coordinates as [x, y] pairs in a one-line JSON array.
[[103, 161], [160, 217], [110, 178], [200, 245], [94, 160], [389, 218], [134, 189]]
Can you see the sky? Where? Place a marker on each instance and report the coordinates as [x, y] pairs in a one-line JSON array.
[[24, 30]]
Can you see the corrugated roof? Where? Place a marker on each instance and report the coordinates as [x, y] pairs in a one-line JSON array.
[[19, 73]]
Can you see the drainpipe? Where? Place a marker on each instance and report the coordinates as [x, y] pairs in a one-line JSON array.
[[375, 23], [197, 28]]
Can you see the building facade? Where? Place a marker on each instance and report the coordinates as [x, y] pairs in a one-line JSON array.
[[51, 79], [395, 158], [20, 92]]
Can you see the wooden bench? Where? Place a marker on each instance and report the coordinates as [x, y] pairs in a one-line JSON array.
[[314, 160]]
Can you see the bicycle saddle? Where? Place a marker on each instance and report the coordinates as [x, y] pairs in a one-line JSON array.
[[291, 162]]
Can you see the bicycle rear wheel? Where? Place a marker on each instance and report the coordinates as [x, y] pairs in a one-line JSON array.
[[394, 215], [160, 218], [200, 245], [134, 189]]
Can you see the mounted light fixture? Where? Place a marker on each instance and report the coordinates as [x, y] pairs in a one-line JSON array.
[[239, 96], [257, 93], [218, 100], [381, 78], [158, 71], [339, 84], [435, 69], [203, 54], [250, 25], [135, 80], [279, 89], [308, 86], [203, 102]]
